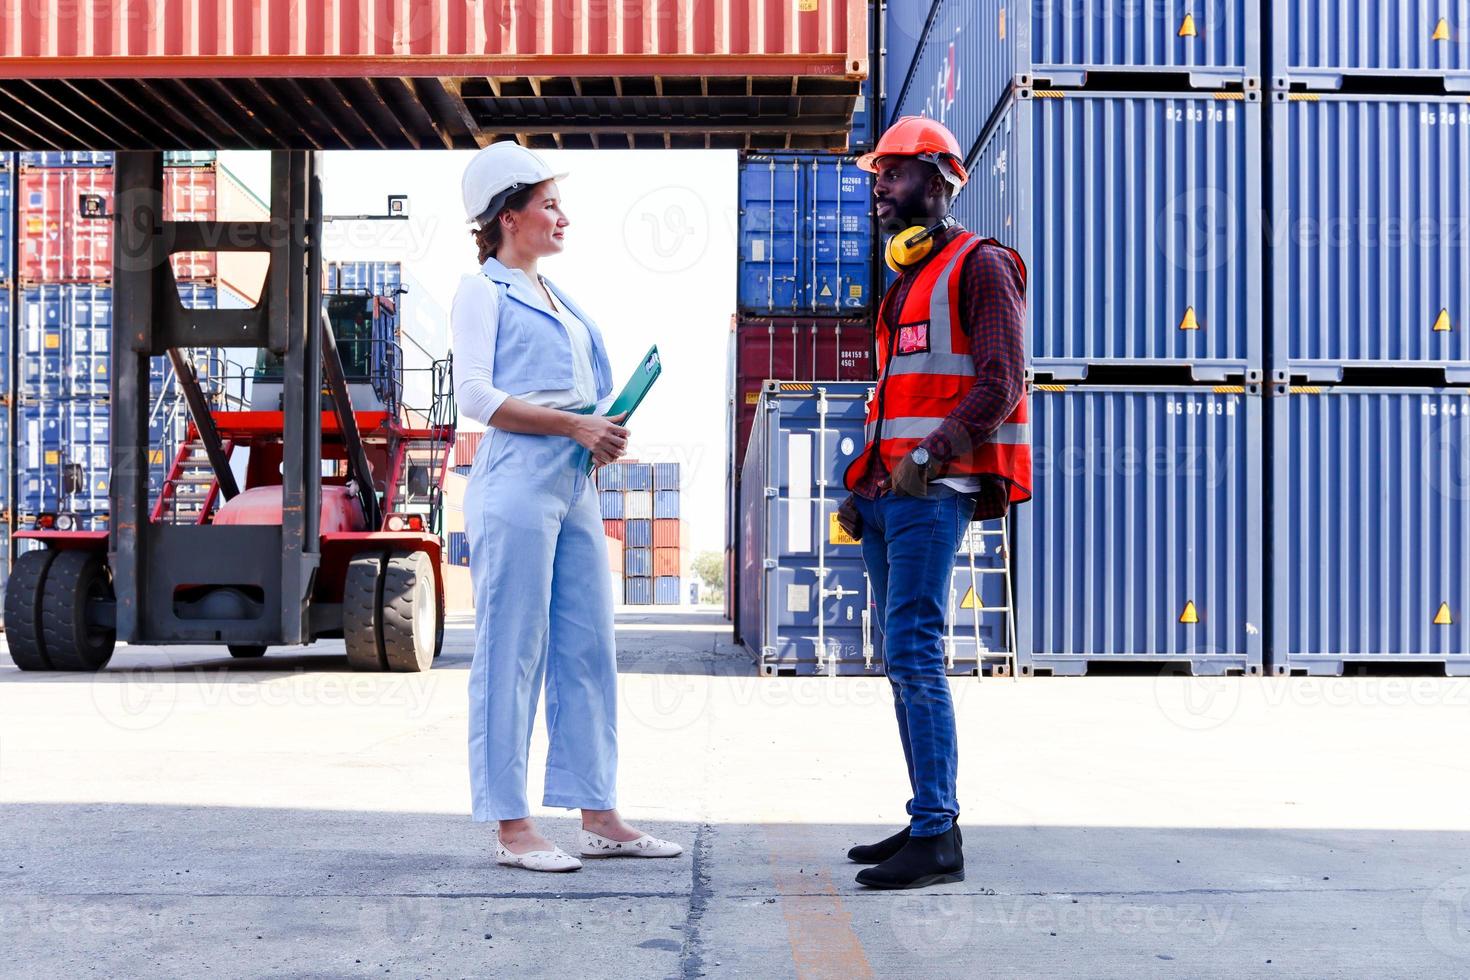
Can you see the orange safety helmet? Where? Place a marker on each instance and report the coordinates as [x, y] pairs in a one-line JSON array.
[[922, 137]]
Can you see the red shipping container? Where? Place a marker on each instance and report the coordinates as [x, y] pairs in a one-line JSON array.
[[466, 444], [212, 193], [615, 529], [794, 349], [665, 561], [666, 533], [56, 243]]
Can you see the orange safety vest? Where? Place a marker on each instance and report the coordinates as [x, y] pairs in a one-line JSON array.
[[925, 369]]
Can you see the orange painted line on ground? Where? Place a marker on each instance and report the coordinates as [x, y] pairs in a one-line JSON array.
[[818, 925]]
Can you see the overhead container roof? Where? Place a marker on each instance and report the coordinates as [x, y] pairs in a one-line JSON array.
[[430, 74]]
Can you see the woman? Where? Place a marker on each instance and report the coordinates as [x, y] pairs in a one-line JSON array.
[[531, 366]]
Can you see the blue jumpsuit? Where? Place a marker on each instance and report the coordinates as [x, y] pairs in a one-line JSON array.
[[538, 559]]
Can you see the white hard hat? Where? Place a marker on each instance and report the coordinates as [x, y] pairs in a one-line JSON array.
[[496, 172]]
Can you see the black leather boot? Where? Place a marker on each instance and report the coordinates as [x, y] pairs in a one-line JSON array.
[[885, 849], [921, 862]]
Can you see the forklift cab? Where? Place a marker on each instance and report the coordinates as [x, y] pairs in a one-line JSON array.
[[365, 328]]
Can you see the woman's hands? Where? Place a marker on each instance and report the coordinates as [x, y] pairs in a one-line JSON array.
[[601, 436]]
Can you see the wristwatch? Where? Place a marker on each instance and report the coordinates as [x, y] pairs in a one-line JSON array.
[[920, 456]]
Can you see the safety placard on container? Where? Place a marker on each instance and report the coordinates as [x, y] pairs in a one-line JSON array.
[[835, 532]]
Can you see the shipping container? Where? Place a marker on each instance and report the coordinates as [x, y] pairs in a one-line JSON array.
[[615, 529], [667, 591], [66, 158], [7, 219], [638, 533], [1148, 257], [665, 476], [974, 53], [190, 158], [792, 349], [1143, 542], [1323, 44], [638, 591], [666, 504], [638, 505], [380, 278], [637, 562], [56, 243], [459, 549], [615, 551], [666, 534], [806, 235], [804, 601], [1370, 511], [212, 193], [612, 505], [637, 477], [610, 477], [5, 331], [667, 561], [1370, 203]]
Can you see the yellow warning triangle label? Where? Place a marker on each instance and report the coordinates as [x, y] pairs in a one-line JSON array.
[[1443, 618], [972, 601], [1441, 30], [1187, 29], [1190, 614], [826, 290], [1442, 323], [1190, 321]]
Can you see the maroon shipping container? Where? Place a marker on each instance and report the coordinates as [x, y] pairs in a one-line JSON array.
[[615, 529], [212, 193], [802, 349], [665, 561], [665, 534], [56, 243], [466, 444]]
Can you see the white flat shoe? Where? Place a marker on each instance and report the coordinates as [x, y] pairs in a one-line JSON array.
[[555, 860], [597, 846]]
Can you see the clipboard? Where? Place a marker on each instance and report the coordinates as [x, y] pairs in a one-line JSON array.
[[633, 393]]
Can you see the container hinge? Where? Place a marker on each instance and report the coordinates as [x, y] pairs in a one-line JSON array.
[[768, 564]]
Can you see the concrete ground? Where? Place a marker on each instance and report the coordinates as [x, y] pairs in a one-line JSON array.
[[184, 814]]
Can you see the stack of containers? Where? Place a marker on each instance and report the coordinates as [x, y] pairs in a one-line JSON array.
[[62, 308], [1144, 329], [641, 520], [1368, 191]]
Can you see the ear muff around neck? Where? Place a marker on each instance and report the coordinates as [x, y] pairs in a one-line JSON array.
[[913, 244]]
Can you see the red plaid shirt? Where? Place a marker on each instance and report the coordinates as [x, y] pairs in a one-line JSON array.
[[993, 313]]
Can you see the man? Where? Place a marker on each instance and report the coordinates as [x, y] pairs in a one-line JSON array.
[[947, 444]]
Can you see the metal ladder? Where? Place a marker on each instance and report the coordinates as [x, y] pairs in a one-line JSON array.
[[975, 543]]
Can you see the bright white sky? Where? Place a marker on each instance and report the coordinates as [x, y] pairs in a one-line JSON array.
[[651, 253]]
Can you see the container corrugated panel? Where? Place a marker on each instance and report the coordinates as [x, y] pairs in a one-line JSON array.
[[459, 549], [380, 278], [612, 505], [975, 51], [1370, 208], [7, 221], [666, 504], [56, 243], [638, 504], [806, 235], [639, 534], [1143, 542], [189, 158], [466, 444], [615, 560], [796, 349], [1370, 500], [666, 476], [666, 534], [5, 332], [638, 591], [1147, 257], [43, 328], [666, 561], [610, 477], [1320, 43], [666, 590], [637, 477], [783, 618], [616, 529], [637, 561], [66, 158], [213, 193], [40, 441]]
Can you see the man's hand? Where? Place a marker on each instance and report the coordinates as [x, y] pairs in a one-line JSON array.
[[909, 479], [849, 519]]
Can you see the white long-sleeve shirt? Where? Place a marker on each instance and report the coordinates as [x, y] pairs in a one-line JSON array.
[[474, 320]]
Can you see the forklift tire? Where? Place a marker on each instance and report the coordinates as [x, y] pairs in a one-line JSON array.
[[362, 602], [245, 651], [410, 612], [74, 581], [23, 609], [439, 632]]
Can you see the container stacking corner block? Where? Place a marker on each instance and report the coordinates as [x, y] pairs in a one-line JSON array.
[[1142, 544]]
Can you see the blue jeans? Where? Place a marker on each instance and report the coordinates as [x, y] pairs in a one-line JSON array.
[[909, 544]]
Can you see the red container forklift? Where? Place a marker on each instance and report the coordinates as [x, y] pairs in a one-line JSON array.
[[281, 522]]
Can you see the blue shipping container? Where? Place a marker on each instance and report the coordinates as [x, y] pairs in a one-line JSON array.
[[665, 476], [637, 476], [788, 519], [638, 591], [610, 477], [5, 330], [67, 158], [806, 235], [1370, 500], [638, 534], [666, 591], [1150, 254], [637, 562], [975, 51], [379, 278], [459, 549], [1143, 542], [40, 445], [7, 222], [666, 504], [1319, 43], [612, 504], [1370, 215]]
